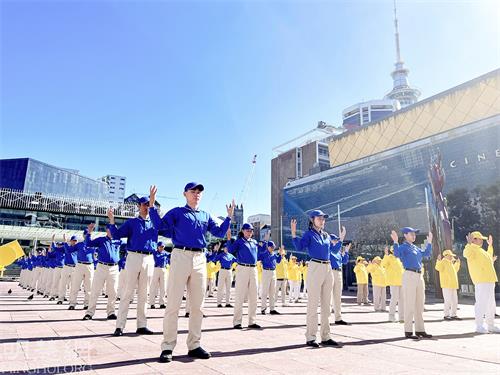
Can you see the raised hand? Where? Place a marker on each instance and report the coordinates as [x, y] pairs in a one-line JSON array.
[[469, 238], [228, 234], [342, 233], [394, 236], [64, 237], [111, 216], [490, 240], [495, 258], [429, 238], [440, 257], [53, 237], [348, 247], [293, 227], [230, 209], [90, 227], [152, 195]]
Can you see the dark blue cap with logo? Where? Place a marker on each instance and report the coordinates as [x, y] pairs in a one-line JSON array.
[[333, 236], [73, 238], [315, 213], [247, 226], [409, 229], [160, 243], [193, 186], [143, 200], [271, 244]]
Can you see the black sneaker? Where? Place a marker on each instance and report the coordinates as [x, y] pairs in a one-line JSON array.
[[254, 326], [263, 312], [274, 312], [341, 323], [447, 318], [186, 315], [52, 299], [111, 317], [423, 335], [410, 335], [163, 307], [166, 356], [153, 307], [87, 317], [329, 342], [455, 318], [144, 331], [59, 302], [85, 307], [30, 297], [65, 300], [183, 298], [312, 343], [237, 326], [200, 353], [229, 305], [118, 332], [71, 308], [219, 305]]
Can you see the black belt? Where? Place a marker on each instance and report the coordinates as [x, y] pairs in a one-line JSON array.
[[107, 264], [70, 265], [412, 270], [141, 252], [225, 268], [320, 261], [269, 269], [197, 249], [86, 263], [336, 269], [281, 279], [246, 265]]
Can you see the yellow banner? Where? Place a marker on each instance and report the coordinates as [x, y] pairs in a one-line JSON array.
[[10, 252]]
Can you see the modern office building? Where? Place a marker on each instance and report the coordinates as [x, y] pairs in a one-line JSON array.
[[116, 187], [363, 113]]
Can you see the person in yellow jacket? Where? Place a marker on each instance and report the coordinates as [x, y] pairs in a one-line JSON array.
[[484, 277], [303, 270], [448, 266], [259, 279], [212, 269], [294, 278], [394, 277], [361, 280], [379, 283], [282, 277]]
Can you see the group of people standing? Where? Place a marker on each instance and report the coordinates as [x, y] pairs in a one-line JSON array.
[[145, 264]]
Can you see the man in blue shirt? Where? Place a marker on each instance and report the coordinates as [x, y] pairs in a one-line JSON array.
[[141, 243], [84, 271], [187, 226], [413, 282], [70, 255], [106, 271], [226, 260], [269, 260], [159, 280], [58, 249]]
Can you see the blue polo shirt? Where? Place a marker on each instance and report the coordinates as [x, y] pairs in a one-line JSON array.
[[188, 227], [121, 262], [226, 260], [84, 254], [269, 260], [318, 246], [411, 255], [161, 259], [70, 252], [140, 233], [245, 250], [51, 259], [108, 250], [336, 257], [59, 255]]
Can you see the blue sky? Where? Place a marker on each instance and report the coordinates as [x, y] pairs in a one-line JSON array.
[[167, 92]]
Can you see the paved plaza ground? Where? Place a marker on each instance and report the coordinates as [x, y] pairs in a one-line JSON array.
[[39, 337]]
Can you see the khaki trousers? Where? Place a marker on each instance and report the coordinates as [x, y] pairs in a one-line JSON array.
[[246, 282], [319, 291], [362, 296], [484, 308], [158, 281], [396, 299], [139, 269], [413, 294], [224, 285], [102, 274], [122, 278], [210, 287], [281, 285], [188, 269], [65, 281], [56, 278], [337, 294], [450, 302], [268, 289], [85, 273], [379, 298]]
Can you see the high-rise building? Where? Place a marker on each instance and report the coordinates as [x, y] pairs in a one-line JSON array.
[[237, 220], [363, 113], [259, 221], [116, 187]]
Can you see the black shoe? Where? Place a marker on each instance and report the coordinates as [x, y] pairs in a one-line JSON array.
[[65, 300], [59, 302], [153, 307], [423, 334], [263, 312], [105, 296], [274, 312], [204, 315], [52, 299], [166, 356], [186, 315], [183, 298], [45, 296], [71, 308], [87, 317], [341, 323], [254, 326], [219, 305], [118, 298], [30, 297], [329, 342], [85, 307], [237, 326], [455, 318], [447, 318], [312, 343], [409, 335], [229, 305], [200, 353], [118, 332], [111, 317], [144, 331], [163, 307]]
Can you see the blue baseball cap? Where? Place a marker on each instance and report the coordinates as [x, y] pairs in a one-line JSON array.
[[271, 244], [194, 185], [143, 200], [73, 238], [333, 236], [315, 213], [409, 229], [247, 226], [59, 243], [160, 243]]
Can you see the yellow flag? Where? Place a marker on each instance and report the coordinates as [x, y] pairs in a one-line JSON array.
[[10, 252]]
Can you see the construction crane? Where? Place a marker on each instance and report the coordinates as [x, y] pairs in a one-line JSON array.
[[248, 182]]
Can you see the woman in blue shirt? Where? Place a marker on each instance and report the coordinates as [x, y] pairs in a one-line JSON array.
[[319, 277]]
